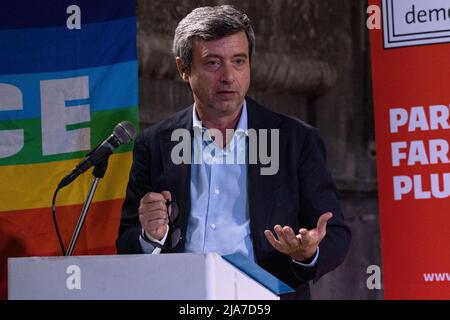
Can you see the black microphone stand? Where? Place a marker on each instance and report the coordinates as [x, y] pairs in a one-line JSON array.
[[98, 173]]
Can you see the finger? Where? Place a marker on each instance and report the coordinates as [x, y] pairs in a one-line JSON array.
[[167, 195], [279, 232], [154, 215], [155, 224], [147, 218], [153, 209], [310, 237], [153, 206], [152, 196], [301, 233], [289, 235], [282, 237], [272, 240], [322, 224]]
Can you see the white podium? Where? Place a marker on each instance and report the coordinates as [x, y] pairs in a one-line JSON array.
[[181, 276]]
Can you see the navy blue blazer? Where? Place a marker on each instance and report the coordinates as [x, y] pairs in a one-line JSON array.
[[295, 196]]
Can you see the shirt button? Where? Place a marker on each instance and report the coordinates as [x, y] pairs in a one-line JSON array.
[[213, 226], [216, 191]]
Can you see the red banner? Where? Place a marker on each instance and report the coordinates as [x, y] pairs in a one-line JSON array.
[[411, 89]]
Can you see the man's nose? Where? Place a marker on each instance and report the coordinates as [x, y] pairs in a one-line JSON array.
[[227, 73]]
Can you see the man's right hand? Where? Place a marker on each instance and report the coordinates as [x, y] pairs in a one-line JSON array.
[[153, 213]]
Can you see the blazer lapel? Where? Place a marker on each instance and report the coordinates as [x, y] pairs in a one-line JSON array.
[[261, 188], [177, 176]]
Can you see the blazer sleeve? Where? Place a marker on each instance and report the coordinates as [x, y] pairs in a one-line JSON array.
[[319, 195], [138, 185]]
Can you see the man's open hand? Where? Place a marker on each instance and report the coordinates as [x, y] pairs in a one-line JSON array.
[[303, 245]]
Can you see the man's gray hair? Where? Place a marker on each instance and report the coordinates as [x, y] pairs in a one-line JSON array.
[[208, 23]]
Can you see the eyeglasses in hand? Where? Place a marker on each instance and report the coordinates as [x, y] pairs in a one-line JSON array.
[[174, 233]]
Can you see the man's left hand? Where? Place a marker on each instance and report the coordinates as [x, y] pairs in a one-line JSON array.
[[303, 245]]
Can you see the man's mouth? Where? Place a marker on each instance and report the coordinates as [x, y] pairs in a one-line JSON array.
[[226, 93]]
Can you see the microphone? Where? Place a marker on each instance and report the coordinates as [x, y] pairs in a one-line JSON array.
[[123, 133]]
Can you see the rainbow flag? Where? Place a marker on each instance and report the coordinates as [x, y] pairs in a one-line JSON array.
[[68, 75]]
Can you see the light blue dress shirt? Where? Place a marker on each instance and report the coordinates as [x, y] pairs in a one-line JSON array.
[[219, 220]]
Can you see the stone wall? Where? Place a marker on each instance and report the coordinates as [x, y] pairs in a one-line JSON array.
[[312, 61]]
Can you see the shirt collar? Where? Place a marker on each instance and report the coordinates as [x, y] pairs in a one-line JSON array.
[[242, 125]]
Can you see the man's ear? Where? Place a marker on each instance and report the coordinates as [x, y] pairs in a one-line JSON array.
[[182, 70]]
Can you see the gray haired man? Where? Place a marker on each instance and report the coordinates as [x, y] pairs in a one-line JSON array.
[[289, 222]]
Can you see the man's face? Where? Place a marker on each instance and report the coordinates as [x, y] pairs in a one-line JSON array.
[[219, 75]]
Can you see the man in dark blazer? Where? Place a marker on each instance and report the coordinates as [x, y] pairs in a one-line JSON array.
[[213, 48]]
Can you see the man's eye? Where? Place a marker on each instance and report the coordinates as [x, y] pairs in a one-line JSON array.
[[239, 62]]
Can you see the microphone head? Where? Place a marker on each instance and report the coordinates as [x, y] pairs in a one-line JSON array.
[[124, 132]]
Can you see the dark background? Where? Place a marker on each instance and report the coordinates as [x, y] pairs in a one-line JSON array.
[[312, 61]]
